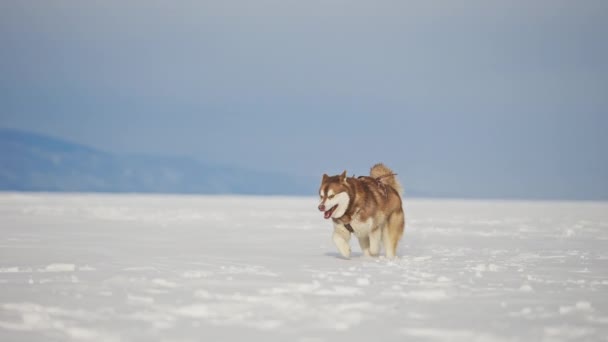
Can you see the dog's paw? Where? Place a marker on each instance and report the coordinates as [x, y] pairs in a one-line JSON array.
[[345, 253]]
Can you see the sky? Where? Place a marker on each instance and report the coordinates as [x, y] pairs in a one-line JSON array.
[[501, 99]]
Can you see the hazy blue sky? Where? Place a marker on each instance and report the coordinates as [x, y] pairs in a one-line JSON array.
[[471, 98]]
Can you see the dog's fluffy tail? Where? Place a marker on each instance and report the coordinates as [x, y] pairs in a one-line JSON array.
[[386, 176]]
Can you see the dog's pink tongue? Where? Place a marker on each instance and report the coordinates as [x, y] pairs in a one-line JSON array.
[[328, 214]]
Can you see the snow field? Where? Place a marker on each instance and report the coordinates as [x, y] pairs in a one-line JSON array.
[[82, 267]]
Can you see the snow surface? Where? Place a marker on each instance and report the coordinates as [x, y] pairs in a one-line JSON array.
[[187, 268]]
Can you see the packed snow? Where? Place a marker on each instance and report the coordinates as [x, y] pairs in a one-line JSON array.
[[81, 267]]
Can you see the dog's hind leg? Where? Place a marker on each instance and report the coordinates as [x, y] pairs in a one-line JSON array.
[[374, 241], [364, 243], [341, 237], [392, 233]]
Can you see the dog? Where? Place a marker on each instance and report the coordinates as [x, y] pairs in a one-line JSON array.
[[369, 207]]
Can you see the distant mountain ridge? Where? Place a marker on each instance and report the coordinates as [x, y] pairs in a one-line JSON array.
[[35, 162]]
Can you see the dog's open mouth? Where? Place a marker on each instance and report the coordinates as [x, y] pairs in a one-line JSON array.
[[331, 210]]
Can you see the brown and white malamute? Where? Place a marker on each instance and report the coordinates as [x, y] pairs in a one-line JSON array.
[[368, 206]]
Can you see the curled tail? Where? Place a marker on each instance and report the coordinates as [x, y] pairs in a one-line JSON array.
[[386, 176]]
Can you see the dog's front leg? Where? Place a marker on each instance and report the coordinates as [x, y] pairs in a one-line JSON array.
[[375, 237], [341, 238], [364, 243]]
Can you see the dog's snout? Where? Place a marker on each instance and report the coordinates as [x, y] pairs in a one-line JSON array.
[[321, 207]]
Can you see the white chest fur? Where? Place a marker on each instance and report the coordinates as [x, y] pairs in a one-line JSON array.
[[362, 228]]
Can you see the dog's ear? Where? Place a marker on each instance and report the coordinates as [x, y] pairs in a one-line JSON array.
[[325, 176], [343, 176]]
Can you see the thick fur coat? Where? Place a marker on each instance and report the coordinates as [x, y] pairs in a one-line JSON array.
[[368, 207]]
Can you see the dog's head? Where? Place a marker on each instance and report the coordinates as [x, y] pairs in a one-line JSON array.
[[334, 196]]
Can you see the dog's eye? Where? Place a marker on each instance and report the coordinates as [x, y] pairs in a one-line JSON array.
[[331, 196]]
